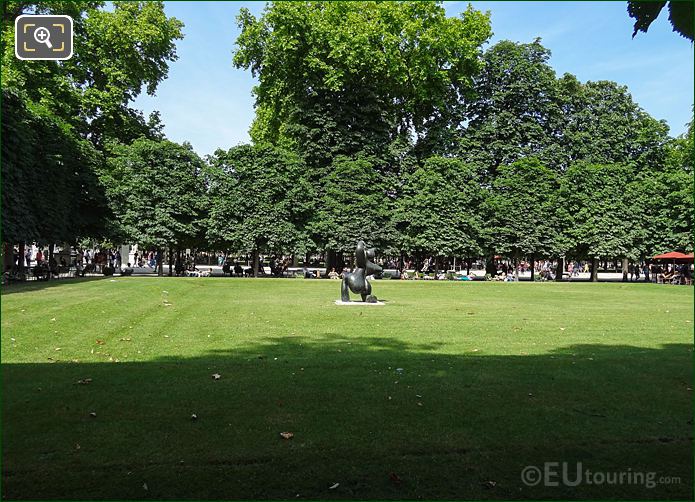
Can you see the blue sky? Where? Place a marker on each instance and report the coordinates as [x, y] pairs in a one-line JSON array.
[[208, 102]]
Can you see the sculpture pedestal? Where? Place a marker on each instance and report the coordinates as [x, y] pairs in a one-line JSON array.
[[340, 302]]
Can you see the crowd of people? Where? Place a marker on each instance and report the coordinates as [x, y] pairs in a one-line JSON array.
[[43, 264]]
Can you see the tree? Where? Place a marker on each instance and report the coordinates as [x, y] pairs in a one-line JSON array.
[[354, 207], [597, 210], [680, 14], [666, 200], [259, 200], [50, 189], [116, 54], [522, 204], [516, 112], [522, 110], [438, 213], [664, 210], [347, 78], [156, 192], [603, 125]]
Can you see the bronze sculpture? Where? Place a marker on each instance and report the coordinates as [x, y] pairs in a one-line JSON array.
[[357, 281]]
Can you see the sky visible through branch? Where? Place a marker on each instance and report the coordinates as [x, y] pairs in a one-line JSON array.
[[208, 102]]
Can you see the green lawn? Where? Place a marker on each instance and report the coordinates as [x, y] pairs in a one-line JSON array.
[[448, 391]]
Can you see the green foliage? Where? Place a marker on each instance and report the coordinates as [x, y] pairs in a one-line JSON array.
[[259, 200], [523, 110], [340, 78], [604, 125], [50, 189], [354, 206], [597, 211], [680, 14], [522, 205], [115, 54], [665, 194], [515, 113], [156, 191], [439, 211]]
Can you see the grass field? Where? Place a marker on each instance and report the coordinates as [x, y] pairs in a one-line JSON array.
[[448, 391]]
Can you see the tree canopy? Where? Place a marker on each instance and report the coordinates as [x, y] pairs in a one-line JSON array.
[[116, 54], [259, 200], [156, 191], [340, 78], [382, 122], [680, 14], [439, 212], [50, 188], [523, 208]]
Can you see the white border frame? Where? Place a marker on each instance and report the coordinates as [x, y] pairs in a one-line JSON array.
[[72, 34]]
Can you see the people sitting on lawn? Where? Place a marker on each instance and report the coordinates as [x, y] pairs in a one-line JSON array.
[[127, 270], [238, 270], [333, 274]]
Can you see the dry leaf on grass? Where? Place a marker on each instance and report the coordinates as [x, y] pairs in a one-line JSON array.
[[286, 435], [216, 376]]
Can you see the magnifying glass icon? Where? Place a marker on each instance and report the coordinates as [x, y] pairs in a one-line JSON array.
[[43, 36]]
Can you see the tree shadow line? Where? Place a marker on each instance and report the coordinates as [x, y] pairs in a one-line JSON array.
[[384, 418]]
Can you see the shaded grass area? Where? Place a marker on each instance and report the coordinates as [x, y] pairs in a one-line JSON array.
[[448, 391]]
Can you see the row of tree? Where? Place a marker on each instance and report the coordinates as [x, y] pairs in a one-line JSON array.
[[264, 199], [382, 122]]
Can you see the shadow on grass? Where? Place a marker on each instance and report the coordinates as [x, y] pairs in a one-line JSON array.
[[35, 285], [382, 418]]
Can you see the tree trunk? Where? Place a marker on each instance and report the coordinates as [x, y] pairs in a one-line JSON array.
[[624, 266], [594, 269], [490, 267], [330, 260], [20, 258], [171, 259], [255, 262], [50, 259], [468, 266], [560, 268], [515, 264], [160, 263]]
